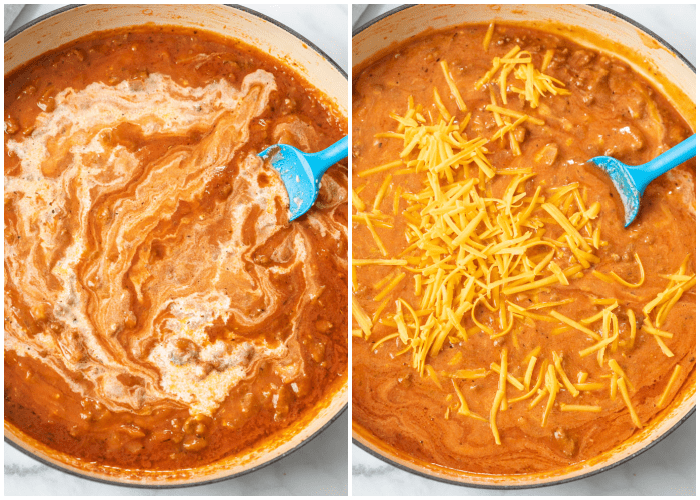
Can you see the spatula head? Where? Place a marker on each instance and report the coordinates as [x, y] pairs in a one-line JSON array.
[[624, 183], [297, 176]]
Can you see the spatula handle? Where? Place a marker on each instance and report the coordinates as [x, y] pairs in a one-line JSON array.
[[663, 163], [320, 161]]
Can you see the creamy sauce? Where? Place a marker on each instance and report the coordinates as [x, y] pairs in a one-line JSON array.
[[67, 144], [150, 264], [610, 112]]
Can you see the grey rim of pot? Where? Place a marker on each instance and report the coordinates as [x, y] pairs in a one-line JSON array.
[[272, 460], [582, 476]]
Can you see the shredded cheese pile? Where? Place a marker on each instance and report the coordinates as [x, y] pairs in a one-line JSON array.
[[519, 63], [471, 252]]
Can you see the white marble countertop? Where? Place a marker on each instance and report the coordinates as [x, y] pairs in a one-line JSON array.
[[318, 468], [667, 469]]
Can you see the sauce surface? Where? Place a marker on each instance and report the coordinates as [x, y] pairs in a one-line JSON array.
[[608, 110], [160, 311]]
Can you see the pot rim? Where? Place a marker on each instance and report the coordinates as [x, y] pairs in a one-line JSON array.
[[654, 442], [340, 412], [238, 7], [634, 23]]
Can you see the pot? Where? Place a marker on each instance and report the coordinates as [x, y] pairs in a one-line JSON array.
[[68, 24], [594, 27]]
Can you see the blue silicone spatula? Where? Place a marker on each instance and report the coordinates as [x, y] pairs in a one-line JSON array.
[[301, 172], [631, 181]]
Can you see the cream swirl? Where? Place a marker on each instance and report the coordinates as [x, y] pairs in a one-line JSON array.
[[126, 273]]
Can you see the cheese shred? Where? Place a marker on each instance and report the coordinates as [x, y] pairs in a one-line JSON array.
[[381, 168], [626, 397], [453, 87], [585, 408], [480, 260], [489, 35], [363, 320], [674, 376]]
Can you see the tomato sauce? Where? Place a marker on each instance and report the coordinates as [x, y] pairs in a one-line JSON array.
[[160, 311], [608, 110]]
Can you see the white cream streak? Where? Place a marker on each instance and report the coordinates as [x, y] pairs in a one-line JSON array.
[[72, 172]]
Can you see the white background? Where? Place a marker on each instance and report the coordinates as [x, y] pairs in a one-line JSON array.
[[666, 469], [318, 468]]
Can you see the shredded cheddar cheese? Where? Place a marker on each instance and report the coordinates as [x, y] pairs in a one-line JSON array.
[[379, 262], [464, 409], [588, 408], [633, 326], [535, 388], [361, 317], [453, 86], [510, 378], [575, 325], [514, 114], [671, 289], [441, 107], [648, 328], [519, 64], [613, 387], [596, 317], [613, 277], [489, 35], [626, 397], [357, 202], [600, 345], [663, 346], [528, 372], [547, 59], [674, 376], [589, 386], [382, 192], [565, 380], [619, 372], [390, 286], [500, 395], [381, 168], [375, 236], [379, 284], [469, 374], [475, 255], [388, 337], [552, 385]]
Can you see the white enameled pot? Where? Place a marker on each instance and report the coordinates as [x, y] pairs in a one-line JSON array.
[[590, 26], [65, 25]]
